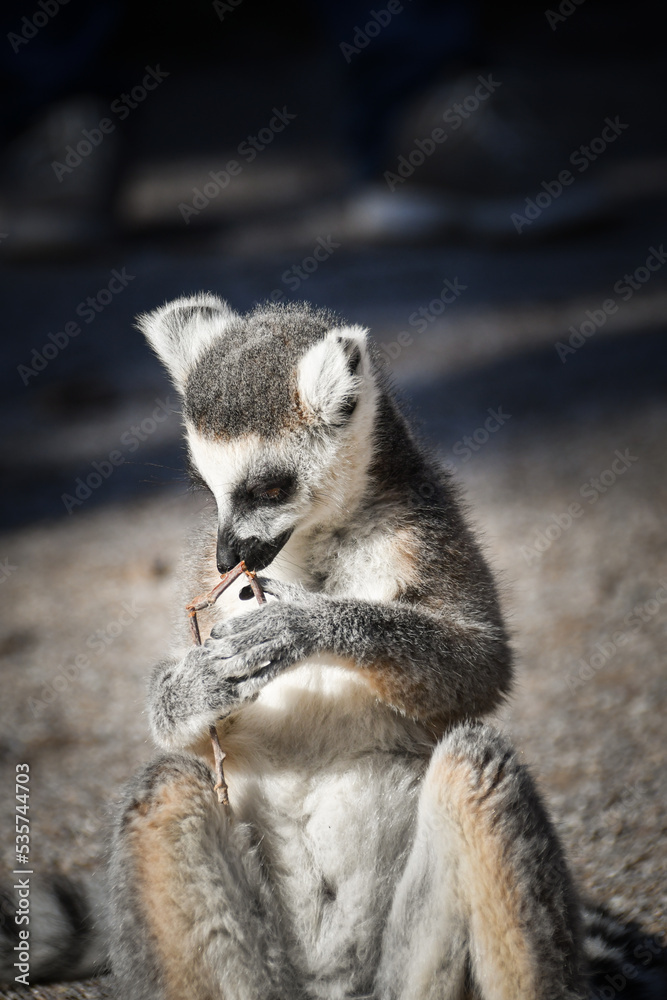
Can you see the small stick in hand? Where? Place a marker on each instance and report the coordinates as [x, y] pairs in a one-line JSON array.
[[218, 756], [255, 587], [207, 601]]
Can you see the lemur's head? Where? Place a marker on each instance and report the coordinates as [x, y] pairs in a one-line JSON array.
[[278, 407]]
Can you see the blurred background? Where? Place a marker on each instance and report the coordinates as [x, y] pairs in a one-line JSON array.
[[484, 186]]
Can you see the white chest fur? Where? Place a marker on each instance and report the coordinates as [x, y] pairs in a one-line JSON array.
[[327, 779]]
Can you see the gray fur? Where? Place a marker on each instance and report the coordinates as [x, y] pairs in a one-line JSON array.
[[232, 389]]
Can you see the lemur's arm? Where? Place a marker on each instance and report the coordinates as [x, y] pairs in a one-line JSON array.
[[429, 665]]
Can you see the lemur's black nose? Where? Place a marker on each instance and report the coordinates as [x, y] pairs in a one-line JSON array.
[[227, 556]]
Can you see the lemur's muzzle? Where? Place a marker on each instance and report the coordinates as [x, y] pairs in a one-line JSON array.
[[255, 552]]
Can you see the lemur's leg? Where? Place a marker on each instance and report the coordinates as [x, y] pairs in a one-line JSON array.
[[192, 914], [484, 907]]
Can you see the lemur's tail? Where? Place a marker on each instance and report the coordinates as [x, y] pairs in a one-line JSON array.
[[67, 924], [625, 962], [69, 934]]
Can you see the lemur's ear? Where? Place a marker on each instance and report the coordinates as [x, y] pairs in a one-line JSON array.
[[330, 374], [180, 330]]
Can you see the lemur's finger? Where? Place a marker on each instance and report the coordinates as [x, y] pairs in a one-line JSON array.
[[237, 629]]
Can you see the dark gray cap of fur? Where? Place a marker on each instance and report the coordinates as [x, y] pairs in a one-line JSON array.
[[247, 379]]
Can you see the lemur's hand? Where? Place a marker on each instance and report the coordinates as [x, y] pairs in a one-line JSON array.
[[235, 662], [267, 638]]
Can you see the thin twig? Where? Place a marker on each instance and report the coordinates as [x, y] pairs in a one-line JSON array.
[[207, 601], [194, 626], [255, 587], [219, 755]]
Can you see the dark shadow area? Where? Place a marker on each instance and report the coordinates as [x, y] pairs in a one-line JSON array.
[[352, 156], [607, 377]]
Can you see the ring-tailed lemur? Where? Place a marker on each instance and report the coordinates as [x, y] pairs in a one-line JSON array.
[[381, 841]]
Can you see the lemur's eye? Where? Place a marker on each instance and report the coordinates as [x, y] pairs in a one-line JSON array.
[[271, 492]]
